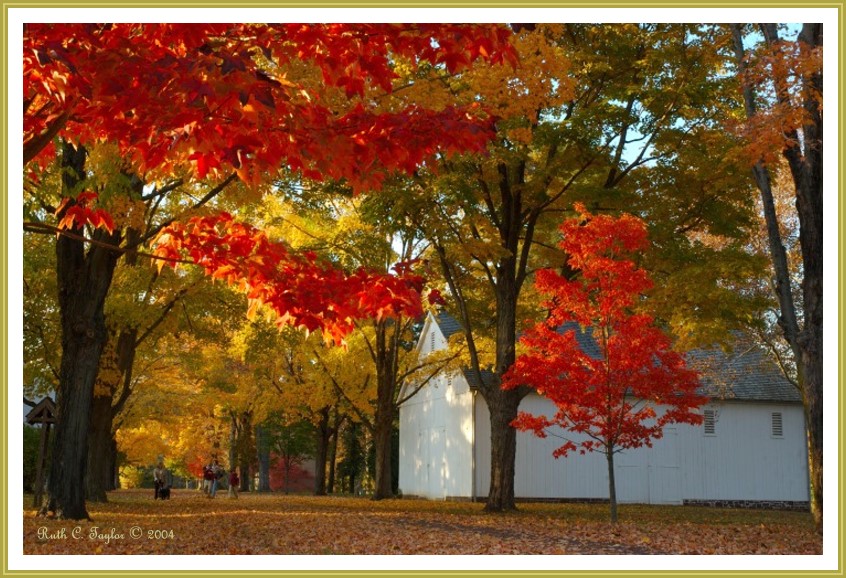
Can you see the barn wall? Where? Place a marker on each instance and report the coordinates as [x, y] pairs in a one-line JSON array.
[[742, 461], [435, 436], [538, 474]]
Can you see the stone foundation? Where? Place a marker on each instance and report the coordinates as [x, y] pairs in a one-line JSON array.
[[737, 504], [751, 504]]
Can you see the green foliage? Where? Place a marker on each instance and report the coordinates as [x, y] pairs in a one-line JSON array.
[[292, 440], [31, 442], [41, 334], [352, 467]]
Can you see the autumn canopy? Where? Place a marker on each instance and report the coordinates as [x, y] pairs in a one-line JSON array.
[[209, 208], [187, 103], [224, 97], [242, 109]]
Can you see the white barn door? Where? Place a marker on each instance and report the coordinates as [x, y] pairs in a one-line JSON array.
[[650, 475], [665, 475], [631, 477]]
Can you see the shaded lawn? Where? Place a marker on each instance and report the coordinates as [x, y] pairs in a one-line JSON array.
[[133, 523]]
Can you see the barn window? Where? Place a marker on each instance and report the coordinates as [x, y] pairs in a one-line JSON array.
[[432, 341], [777, 425], [710, 424]]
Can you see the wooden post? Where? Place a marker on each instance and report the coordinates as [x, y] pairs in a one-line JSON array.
[[42, 458], [43, 413]]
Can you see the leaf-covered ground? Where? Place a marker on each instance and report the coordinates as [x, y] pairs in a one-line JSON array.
[[133, 523]]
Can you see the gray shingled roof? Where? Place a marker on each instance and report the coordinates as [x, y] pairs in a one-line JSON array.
[[744, 373], [584, 338], [448, 324], [488, 377]]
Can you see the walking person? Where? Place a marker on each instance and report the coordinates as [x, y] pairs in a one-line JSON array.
[[216, 474], [208, 476]]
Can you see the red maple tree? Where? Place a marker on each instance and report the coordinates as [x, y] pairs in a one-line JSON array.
[[214, 98], [300, 288], [217, 97], [189, 101], [616, 387]]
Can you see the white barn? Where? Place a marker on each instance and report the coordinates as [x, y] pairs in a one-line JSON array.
[[751, 451]]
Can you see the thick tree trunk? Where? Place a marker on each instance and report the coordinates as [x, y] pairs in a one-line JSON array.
[[807, 170], [503, 405], [100, 460], [117, 360], [804, 157], [386, 357], [83, 279], [383, 420], [244, 478], [503, 409], [383, 428], [323, 433], [812, 359]]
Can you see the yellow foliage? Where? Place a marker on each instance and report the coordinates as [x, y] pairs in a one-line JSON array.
[[131, 477], [485, 348], [540, 81], [145, 443]]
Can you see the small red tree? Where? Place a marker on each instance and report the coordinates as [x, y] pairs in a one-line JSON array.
[[621, 393]]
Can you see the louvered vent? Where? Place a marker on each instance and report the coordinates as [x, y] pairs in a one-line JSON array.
[[778, 429], [710, 422]]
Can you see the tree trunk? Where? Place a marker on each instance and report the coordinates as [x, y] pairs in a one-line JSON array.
[[804, 157], [263, 451], [233, 441], [503, 409], [83, 280], [386, 358], [100, 460], [114, 483], [383, 428], [333, 452], [384, 352], [612, 485], [503, 405], [323, 433], [806, 169], [242, 449], [117, 359]]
